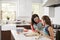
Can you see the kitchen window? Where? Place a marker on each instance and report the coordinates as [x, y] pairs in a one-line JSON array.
[[8, 11]]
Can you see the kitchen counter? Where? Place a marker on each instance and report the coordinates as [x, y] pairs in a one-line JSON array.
[[22, 37], [7, 27], [6, 31]]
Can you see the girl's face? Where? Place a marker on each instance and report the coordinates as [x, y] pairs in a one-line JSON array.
[[43, 22], [36, 19]]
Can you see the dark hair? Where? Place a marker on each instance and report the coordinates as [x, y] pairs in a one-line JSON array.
[[32, 19], [47, 20]]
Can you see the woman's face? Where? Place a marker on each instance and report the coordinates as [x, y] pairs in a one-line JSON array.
[[36, 19]]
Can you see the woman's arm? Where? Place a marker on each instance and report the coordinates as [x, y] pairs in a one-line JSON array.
[[50, 29], [32, 28]]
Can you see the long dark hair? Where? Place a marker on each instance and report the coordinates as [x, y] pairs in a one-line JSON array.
[[32, 19], [47, 20]]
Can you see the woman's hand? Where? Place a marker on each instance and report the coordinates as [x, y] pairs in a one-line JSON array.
[[37, 31]]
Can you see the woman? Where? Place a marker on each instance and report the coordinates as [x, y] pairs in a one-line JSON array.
[[48, 29], [36, 24]]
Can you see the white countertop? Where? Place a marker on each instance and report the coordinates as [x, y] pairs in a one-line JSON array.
[[22, 37], [8, 27]]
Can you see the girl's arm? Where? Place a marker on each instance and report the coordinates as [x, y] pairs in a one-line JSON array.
[[50, 29]]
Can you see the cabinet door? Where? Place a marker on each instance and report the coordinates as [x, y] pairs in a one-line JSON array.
[[5, 35], [25, 26], [58, 35]]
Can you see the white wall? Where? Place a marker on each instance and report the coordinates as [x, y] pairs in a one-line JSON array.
[[56, 19]]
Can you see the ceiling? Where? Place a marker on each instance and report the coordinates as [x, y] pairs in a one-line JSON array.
[[52, 3], [34, 1]]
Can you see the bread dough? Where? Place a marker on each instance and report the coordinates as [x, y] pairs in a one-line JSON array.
[[32, 34]]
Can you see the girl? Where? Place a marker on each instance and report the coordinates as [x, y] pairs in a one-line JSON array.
[[48, 29]]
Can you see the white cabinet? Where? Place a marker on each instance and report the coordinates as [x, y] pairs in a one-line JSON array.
[[24, 10], [52, 11], [25, 7]]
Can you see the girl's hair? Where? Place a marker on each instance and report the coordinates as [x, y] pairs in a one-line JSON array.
[[32, 19], [47, 20]]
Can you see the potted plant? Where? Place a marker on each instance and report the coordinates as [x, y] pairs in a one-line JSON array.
[[7, 20]]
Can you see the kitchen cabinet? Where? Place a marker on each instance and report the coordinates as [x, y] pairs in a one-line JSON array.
[[58, 35], [25, 26], [6, 35], [6, 31]]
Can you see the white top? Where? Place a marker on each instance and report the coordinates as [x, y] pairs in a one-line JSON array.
[[22, 37]]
